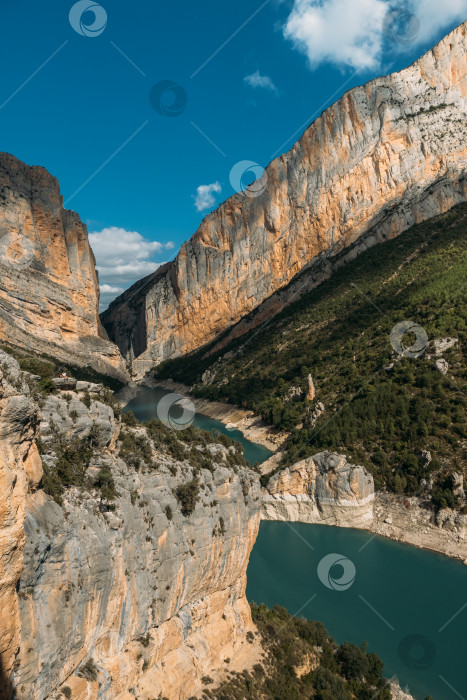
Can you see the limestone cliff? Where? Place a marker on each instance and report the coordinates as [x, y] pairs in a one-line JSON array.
[[49, 291], [324, 489], [132, 597], [385, 156], [20, 473]]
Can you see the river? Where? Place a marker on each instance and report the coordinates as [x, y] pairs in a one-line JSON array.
[[408, 604]]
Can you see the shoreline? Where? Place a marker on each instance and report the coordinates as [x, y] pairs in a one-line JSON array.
[[416, 526], [398, 518], [247, 422]]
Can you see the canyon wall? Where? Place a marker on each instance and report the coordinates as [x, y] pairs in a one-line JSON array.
[[388, 154], [49, 290], [115, 601], [20, 473], [323, 489]]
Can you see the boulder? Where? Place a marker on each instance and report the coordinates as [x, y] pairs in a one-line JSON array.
[[458, 485], [91, 387], [64, 383]]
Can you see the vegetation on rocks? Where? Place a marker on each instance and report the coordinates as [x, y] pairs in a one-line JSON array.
[[47, 367], [187, 495], [138, 441], [304, 661], [380, 409], [66, 464], [69, 468]]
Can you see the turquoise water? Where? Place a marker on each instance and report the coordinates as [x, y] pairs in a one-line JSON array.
[[397, 598], [144, 407], [401, 600]]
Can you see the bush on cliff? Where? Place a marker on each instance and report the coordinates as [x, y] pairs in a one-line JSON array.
[[304, 661], [67, 465], [187, 495], [69, 468]]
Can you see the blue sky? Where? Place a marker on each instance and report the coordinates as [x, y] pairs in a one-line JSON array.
[[252, 75]]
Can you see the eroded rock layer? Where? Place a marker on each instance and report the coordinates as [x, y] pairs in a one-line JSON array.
[[324, 489], [387, 155], [49, 291]]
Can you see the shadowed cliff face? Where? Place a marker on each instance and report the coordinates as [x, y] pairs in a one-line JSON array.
[[371, 161], [49, 291]]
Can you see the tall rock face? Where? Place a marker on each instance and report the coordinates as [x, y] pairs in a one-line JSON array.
[[49, 291], [385, 156], [20, 473], [136, 599], [324, 489]]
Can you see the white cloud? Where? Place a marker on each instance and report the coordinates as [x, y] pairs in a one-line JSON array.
[[338, 31], [204, 196], [356, 33], [122, 257], [434, 15], [108, 294], [108, 289], [256, 80]]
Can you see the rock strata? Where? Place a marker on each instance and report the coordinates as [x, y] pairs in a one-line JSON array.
[[49, 290], [387, 155], [324, 488]]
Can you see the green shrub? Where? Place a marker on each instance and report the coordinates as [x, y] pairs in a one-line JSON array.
[[89, 671], [46, 386], [70, 469], [145, 640], [106, 484], [289, 642], [135, 449], [187, 495]]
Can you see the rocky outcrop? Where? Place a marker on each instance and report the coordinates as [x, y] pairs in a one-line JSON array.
[[49, 291], [118, 600], [411, 520], [387, 155], [324, 489]]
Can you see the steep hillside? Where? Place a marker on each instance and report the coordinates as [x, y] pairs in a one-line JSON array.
[[385, 156], [401, 416], [49, 290]]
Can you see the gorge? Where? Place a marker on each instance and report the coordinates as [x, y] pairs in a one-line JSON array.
[[385, 156], [124, 543]]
